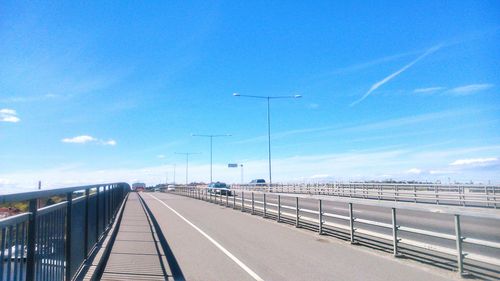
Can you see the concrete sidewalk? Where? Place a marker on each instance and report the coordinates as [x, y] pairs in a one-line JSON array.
[[136, 253]]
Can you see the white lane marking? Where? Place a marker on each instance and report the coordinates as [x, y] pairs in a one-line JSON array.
[[231, 256]]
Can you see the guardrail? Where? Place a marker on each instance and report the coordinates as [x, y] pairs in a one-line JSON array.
[[462, 195], [53, 242], [324, 222]]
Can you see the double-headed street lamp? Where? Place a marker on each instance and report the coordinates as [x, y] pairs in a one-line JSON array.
[[187, 162], [268, 98], [211, 140]]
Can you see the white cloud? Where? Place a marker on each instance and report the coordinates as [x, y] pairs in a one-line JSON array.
[[393, 75], [79, 139], [88, 139], [414, 171], [428, 90], [109, 142], [9, 115], [470, 89], [475, 161], [160, 156]]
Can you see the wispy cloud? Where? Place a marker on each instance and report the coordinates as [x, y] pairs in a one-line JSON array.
[[83, 139], [475, 161], [9, 115], [373, 126], [393, 75], [428, 90], [470, 89], [21, 99]]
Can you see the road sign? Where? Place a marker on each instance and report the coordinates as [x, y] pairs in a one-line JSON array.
[[231, 165]]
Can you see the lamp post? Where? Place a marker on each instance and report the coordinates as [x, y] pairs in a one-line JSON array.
[[268, 98], [187, 162], [211, 140]]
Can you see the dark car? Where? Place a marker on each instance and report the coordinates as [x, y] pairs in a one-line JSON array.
[[258, 182], [219, 188]]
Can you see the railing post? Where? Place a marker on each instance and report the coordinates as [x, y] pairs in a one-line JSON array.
[[30, 256], [234, 201], [279, 208], [297, 212], [351, 222], [253, 204], [265, 205], [460, 256], [69, 207], [242, 201], [320, 217], [227, 198], [97, 203], [394, 234], [86, 225]]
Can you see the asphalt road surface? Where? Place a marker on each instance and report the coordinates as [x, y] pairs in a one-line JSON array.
[[211, 242]]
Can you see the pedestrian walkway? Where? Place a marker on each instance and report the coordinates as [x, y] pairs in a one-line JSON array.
[[136, 253]]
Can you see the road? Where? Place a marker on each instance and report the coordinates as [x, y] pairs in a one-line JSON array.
[[211, 242]]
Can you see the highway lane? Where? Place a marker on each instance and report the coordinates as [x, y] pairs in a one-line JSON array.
[[270, 250]]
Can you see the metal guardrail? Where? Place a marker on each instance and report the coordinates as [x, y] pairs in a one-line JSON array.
[[246, 201], [53, 242], [460, 195]]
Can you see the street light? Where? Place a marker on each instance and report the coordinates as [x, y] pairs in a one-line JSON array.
[[268, 98], [211, 139], [187, 162]]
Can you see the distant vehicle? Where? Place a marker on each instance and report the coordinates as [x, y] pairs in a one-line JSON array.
[[138, 186], [258, 182], [171, 187], [219, 188]]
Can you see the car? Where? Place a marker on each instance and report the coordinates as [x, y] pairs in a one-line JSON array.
[[171, 187], [258, 182], [219, 188]]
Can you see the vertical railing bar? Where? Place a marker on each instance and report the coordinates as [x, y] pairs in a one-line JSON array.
[[97, 203], [30, 258], [9, 253], [458, 238], [394, 233], [320, 217], [2, 254], [50, 239], [46, 226], [253, 204], [242, 201], [69, 207], [265, 205], [16, 252], [23, 237], [234, 201], [279, 208], [62, 219], [86, 225], [351, 223], [297, 212], [38, 253]]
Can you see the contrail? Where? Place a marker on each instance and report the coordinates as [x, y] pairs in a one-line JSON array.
[[390, 77]]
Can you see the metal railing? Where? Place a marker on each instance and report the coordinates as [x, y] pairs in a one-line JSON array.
[[460, 195], [388, 235], [53, 242]]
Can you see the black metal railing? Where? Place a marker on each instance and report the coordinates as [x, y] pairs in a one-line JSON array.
[[53, 242]]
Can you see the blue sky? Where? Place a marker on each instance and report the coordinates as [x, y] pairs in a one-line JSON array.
[[96, 91]]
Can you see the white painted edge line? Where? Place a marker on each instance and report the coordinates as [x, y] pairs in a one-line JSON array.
[[231, 256]]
